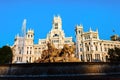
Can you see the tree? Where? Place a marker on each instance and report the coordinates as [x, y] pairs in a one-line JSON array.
[[115, 38], [114, 54], [5, 55]]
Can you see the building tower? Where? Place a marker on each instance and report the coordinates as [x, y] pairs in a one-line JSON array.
[[79, 39], [57, 23], [56, 35], [29, 46], [30, 37]]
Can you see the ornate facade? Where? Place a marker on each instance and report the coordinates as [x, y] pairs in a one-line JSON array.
[[25, 50], [90, 48]]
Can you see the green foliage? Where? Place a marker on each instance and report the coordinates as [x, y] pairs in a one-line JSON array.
[[5, 55], [115, 38], [114, 54]]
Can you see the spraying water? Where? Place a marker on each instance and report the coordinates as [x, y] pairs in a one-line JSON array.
[[23, 37]]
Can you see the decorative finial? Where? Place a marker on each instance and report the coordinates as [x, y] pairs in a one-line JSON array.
[[90, 30], [76, 25], [80, 24], [17, 36], [97, 30], [58, 15]]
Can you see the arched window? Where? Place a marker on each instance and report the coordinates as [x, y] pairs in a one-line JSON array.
[[107, 58], [28, 36], [30, 59], [81, 49], [27, 52], [56, 24], [97, 57], [20, 52], [96, 48], [101, 48], [87, 48], [82, 58], [79, 31], [31, 36], [30, 52]]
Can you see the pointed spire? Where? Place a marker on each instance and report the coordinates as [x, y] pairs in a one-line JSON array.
[[76, 25], [58, 15], [97, 30], [80, 25], [17, 35], [97, 33], [90, 30]]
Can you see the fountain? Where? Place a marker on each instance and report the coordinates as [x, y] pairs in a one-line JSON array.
[[69, 70]]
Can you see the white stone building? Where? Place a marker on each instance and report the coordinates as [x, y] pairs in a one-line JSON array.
[[90, 48], [24, 49]]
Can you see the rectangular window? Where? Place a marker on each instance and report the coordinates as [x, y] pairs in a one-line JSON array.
[[89, 57], [27, 52], [56, 25], [30, 59], [17, 58], [105, 49], [97, 57], [82, 58], [80, 44], [67, 41], [20, 52], [81, 49], [96, 48], [79, 32], [35, 58], [101, 48], [20, 59]]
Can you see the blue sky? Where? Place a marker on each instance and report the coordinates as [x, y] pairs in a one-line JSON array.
[[101, 14]]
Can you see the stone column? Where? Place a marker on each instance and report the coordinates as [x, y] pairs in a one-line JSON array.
[[84, 52]]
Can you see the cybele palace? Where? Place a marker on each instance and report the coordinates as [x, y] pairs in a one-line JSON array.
[[89, 48]]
